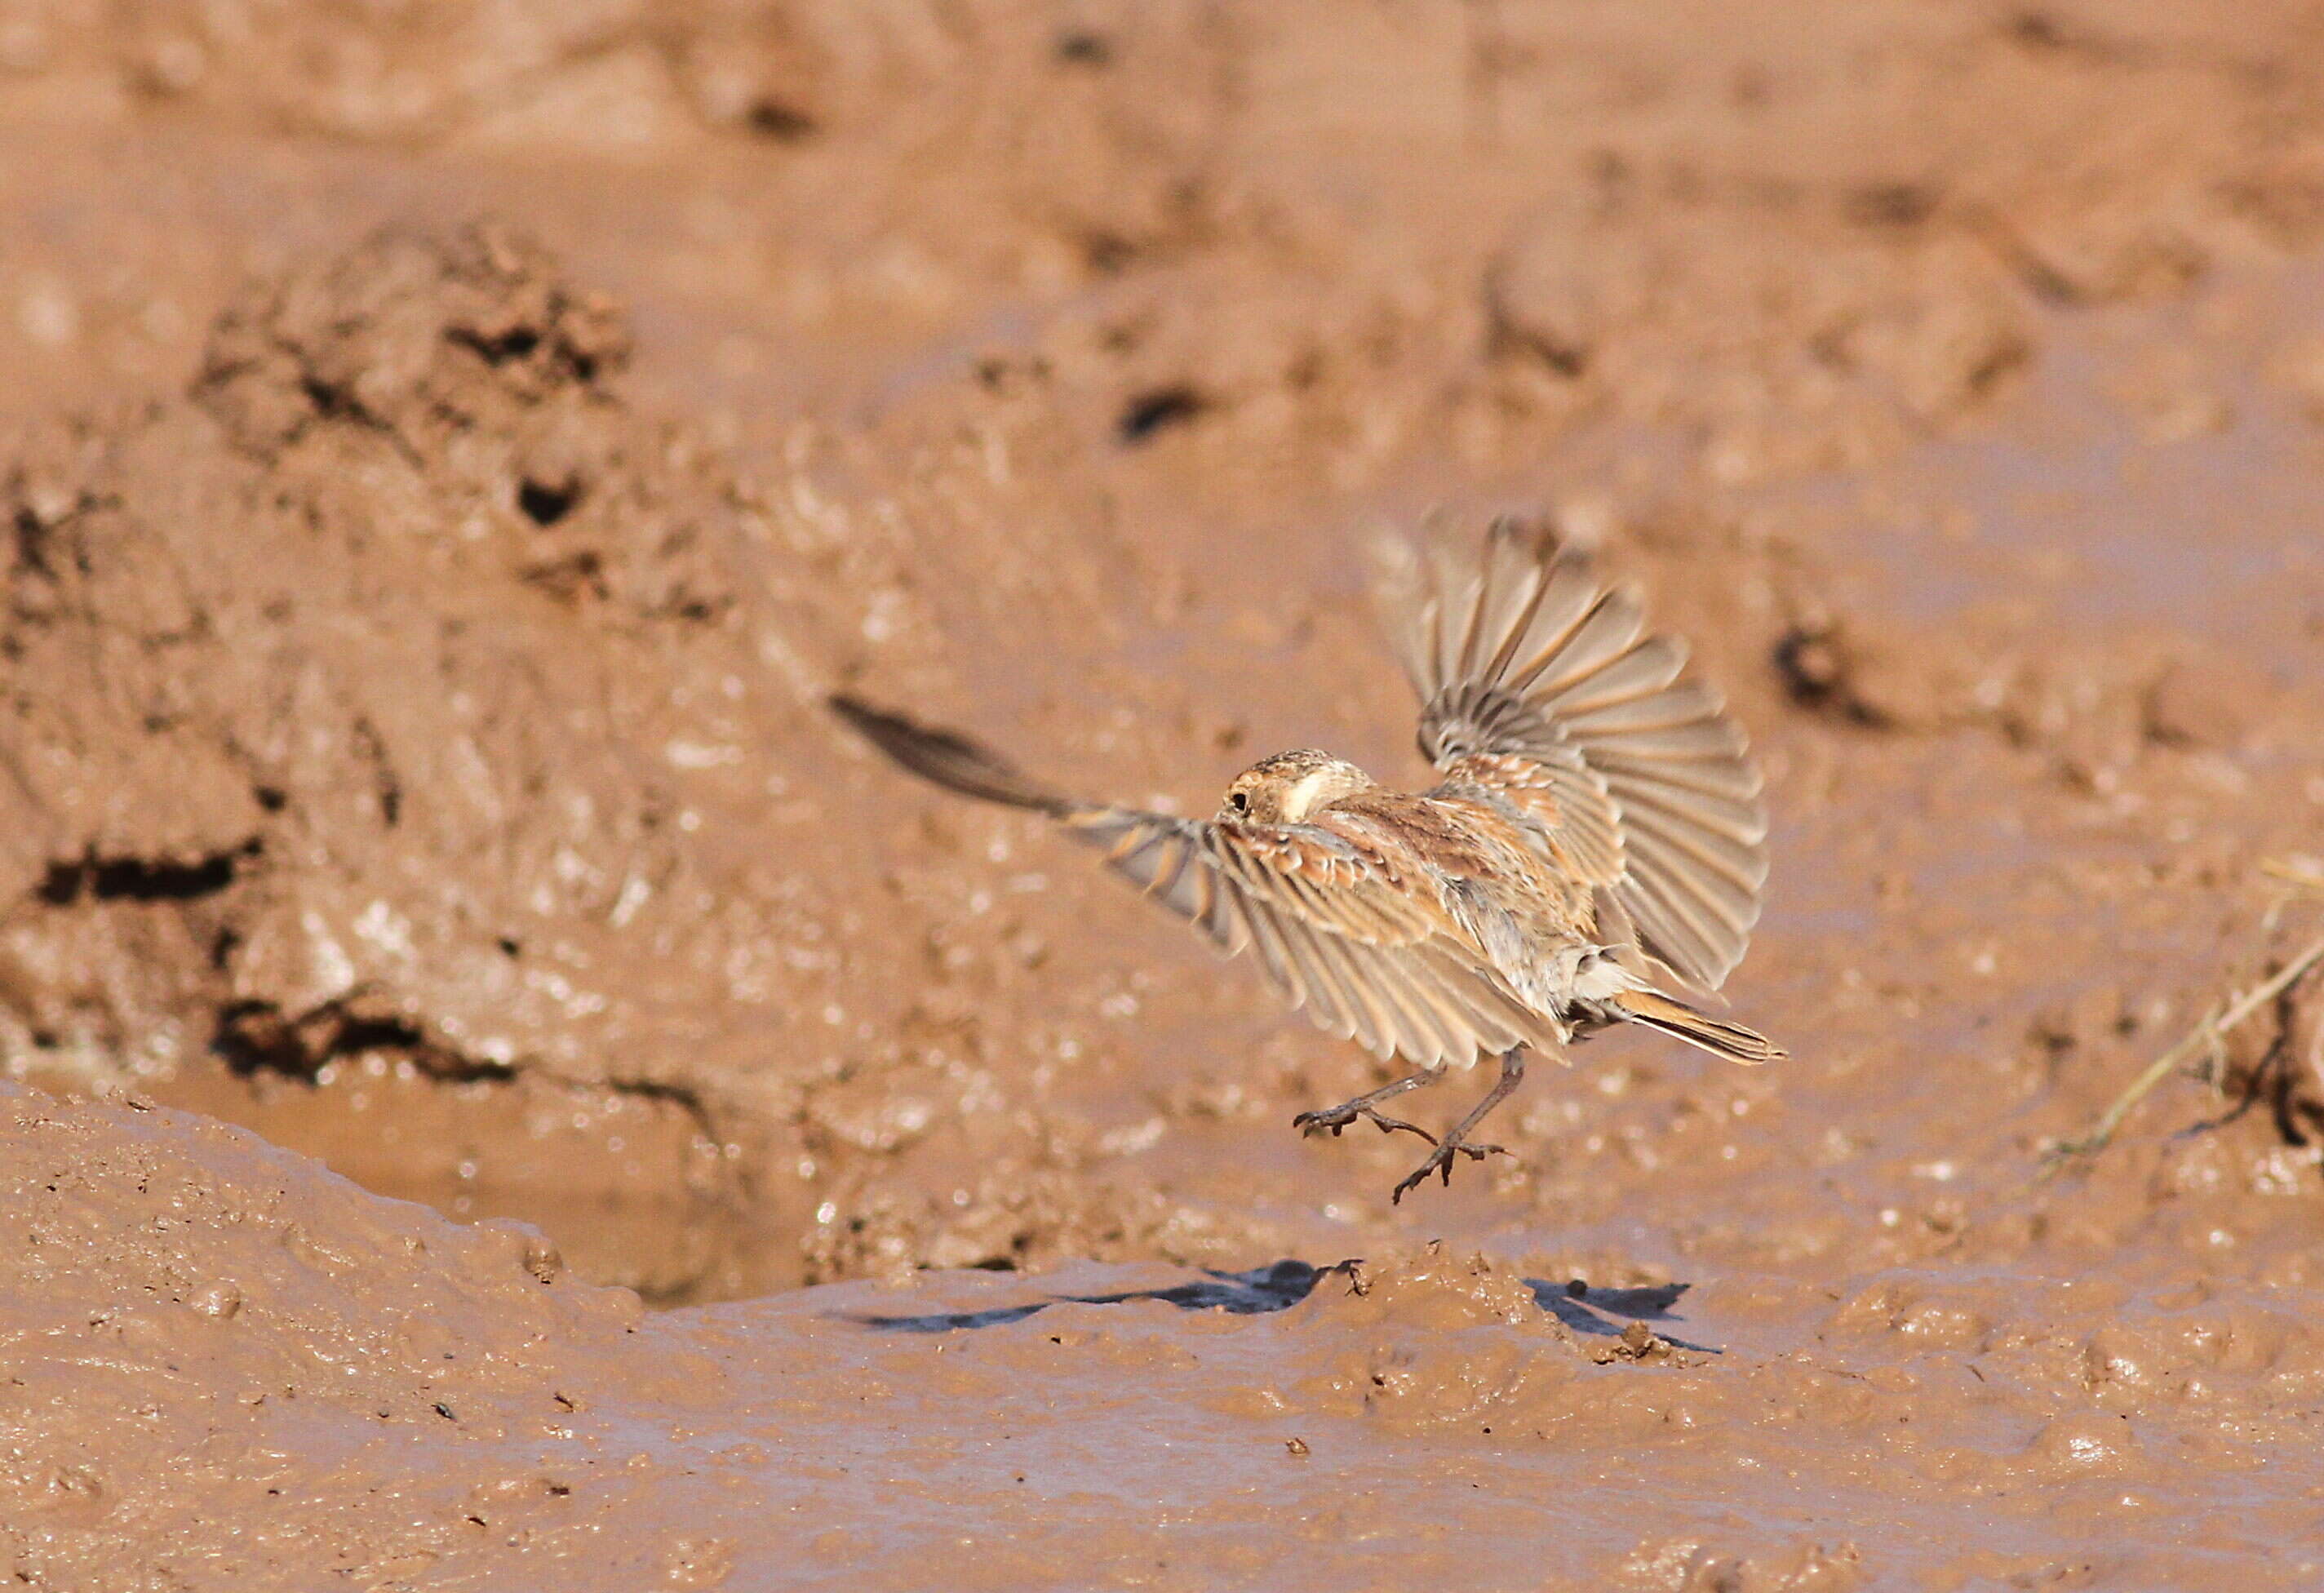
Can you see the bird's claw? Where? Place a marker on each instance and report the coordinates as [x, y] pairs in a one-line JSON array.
[[1337, 1118], [1440, 1161]]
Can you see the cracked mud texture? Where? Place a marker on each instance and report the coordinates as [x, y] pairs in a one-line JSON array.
[[450, 450]]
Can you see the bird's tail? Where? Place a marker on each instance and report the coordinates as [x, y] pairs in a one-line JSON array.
[[1683, 1022], [951, 759]]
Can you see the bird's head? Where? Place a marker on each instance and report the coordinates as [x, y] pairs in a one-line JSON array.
[[1286, 788]]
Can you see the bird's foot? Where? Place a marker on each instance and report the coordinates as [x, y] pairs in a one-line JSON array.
[[1440, 1160], [1336, 1117]]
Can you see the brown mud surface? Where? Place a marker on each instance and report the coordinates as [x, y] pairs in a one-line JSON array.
[[447, 451]]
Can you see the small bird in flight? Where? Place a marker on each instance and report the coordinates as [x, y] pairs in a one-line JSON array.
[[1594, 842]]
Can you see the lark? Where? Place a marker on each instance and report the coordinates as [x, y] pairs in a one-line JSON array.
[[1592, 852]]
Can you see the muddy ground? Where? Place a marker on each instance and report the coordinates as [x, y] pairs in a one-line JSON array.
[[451, 448]]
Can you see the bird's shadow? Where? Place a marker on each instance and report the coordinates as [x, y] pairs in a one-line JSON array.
[[1602, 1313]]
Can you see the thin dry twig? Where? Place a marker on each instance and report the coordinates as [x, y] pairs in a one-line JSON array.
[[2304, 873], [2205, 1036]]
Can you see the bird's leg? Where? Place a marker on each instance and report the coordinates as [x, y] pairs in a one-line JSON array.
[[1440, 1160], [1338, 1117]]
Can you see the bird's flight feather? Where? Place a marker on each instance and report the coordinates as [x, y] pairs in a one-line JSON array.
[[1522, 659]]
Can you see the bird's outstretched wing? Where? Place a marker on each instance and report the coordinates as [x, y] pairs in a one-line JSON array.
[[1337, 934], [1534, 678]]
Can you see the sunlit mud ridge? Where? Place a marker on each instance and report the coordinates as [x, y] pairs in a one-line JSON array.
[[451, 455]]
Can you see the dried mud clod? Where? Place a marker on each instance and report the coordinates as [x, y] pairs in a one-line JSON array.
[[1638, 1342], [396, 337]]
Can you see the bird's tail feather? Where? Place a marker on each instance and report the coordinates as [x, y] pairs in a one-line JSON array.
[[1683, 1022], [951, 759]]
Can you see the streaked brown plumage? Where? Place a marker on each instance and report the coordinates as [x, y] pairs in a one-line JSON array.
[[1595, 839]]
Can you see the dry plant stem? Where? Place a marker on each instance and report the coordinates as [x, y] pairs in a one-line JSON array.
[[2295, 872], [2205, 1036]]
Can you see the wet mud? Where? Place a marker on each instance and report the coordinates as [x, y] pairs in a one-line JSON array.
[[450, 452]]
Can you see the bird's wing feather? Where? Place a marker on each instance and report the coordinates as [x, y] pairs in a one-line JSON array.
[[1535, 679], [1335, 934]]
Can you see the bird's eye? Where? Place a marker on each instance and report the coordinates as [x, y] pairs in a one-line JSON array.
[[1239, 801]]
